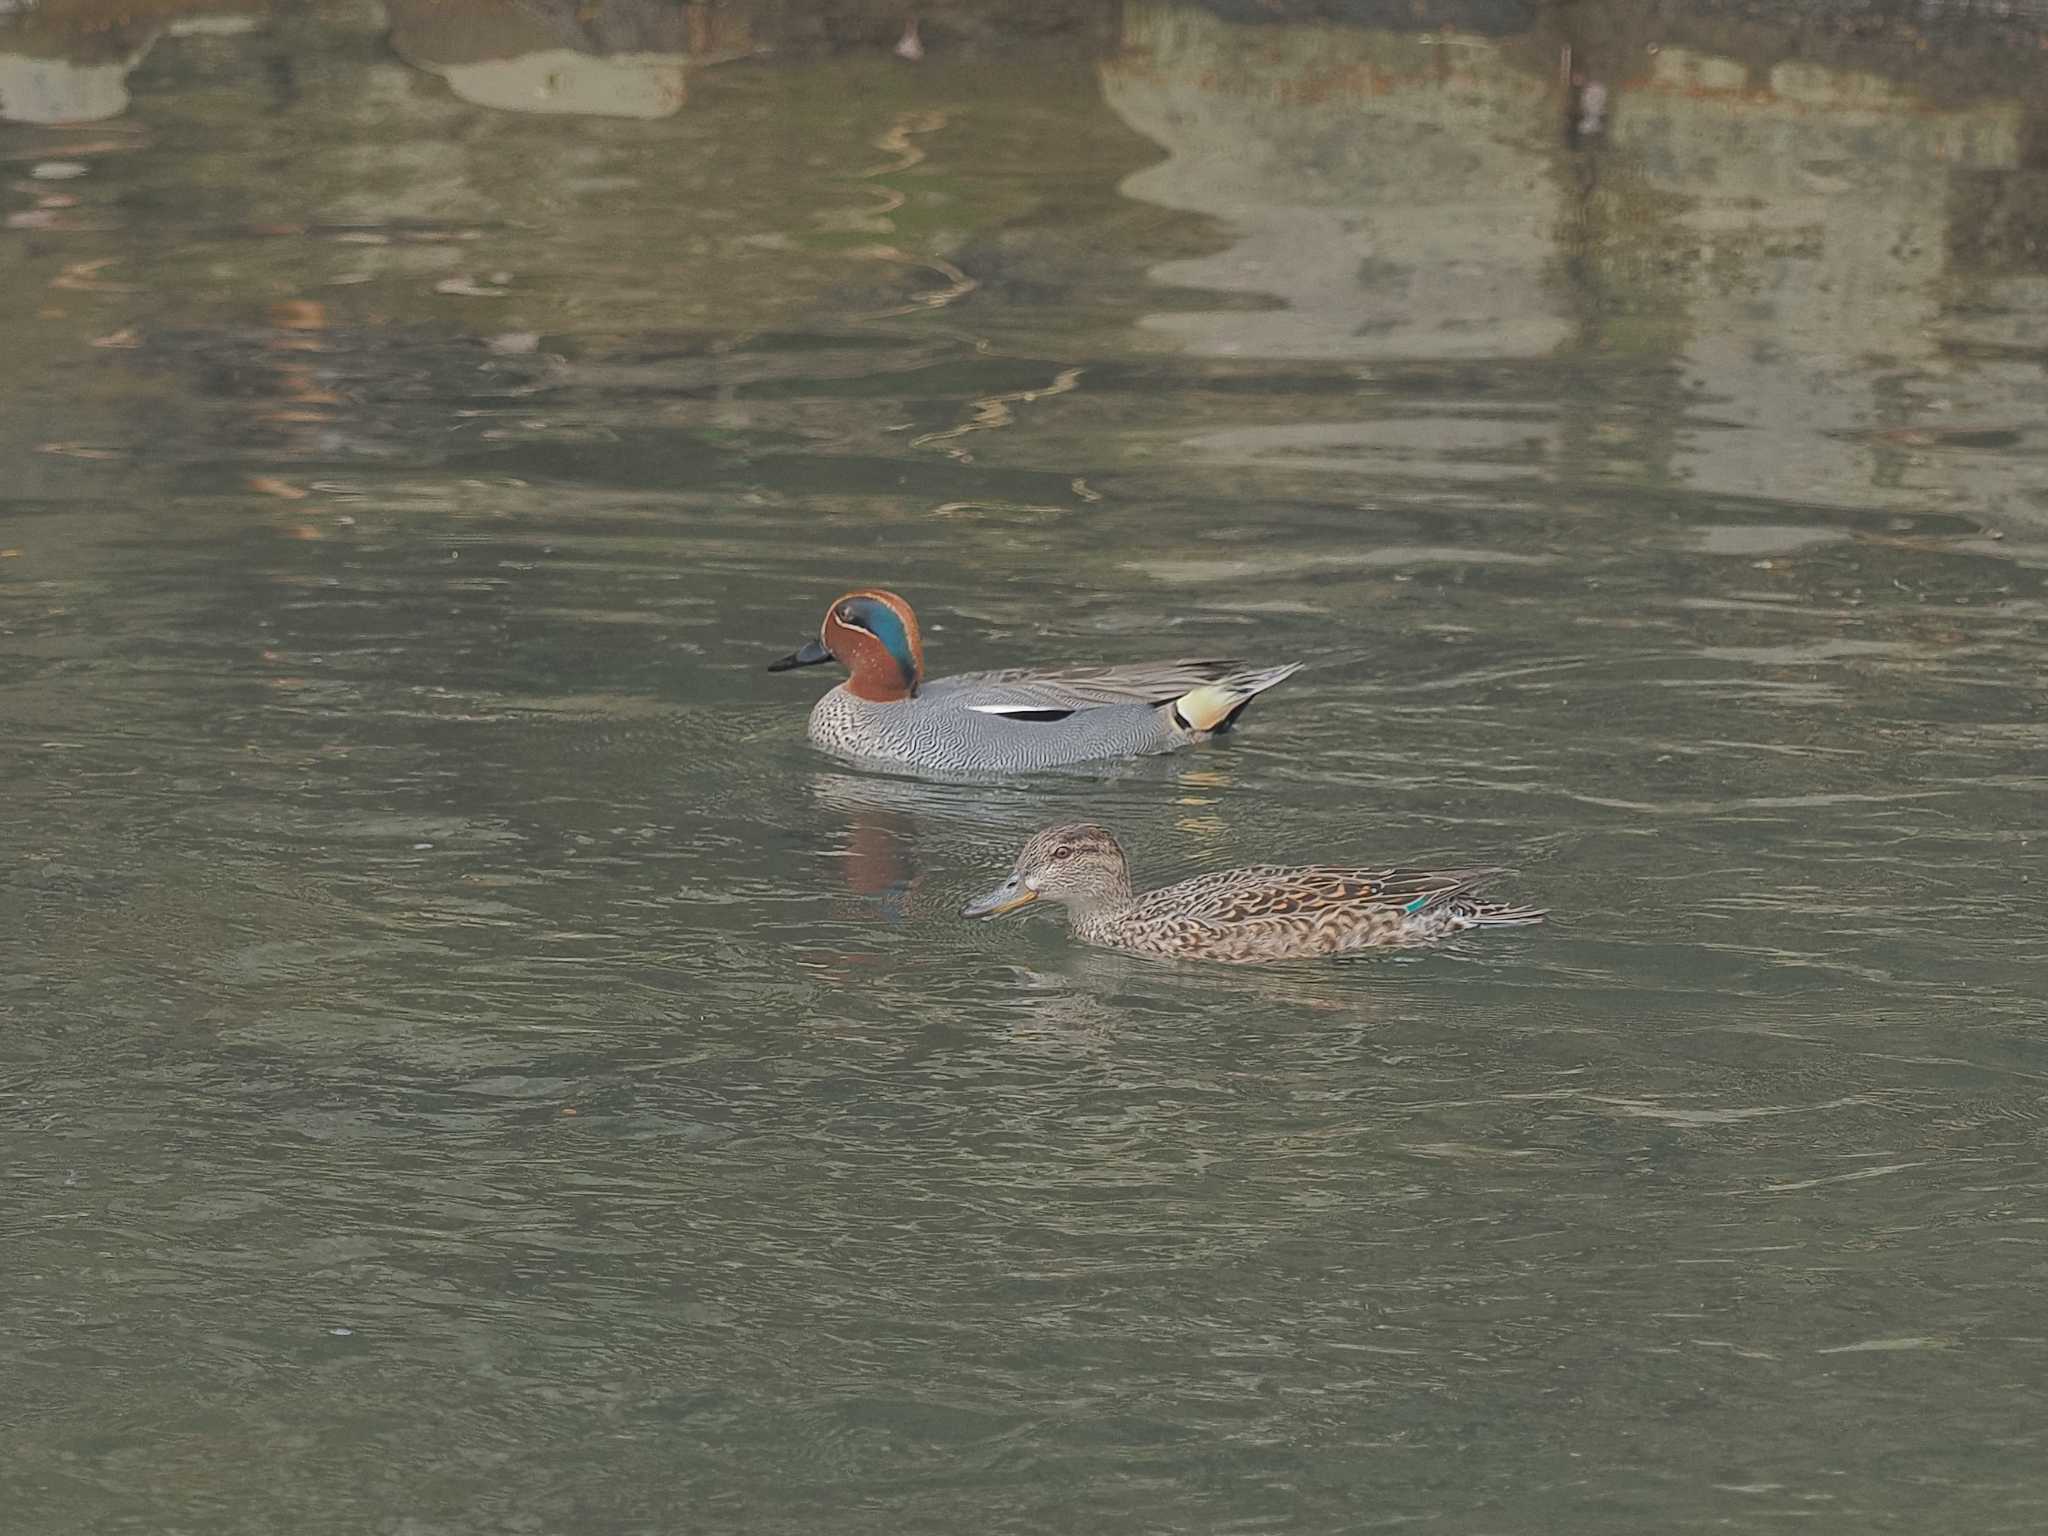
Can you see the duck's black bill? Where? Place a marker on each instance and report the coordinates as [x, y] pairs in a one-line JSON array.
[[809, 654]]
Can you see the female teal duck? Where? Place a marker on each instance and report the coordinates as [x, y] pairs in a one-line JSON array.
[[1006, 722], [1266, 912]]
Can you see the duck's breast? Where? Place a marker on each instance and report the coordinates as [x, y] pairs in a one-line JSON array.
[[945, 734]]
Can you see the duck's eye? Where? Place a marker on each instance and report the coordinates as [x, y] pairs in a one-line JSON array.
[[1062, 853]]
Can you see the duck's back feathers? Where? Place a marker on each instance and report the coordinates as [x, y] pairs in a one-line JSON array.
[[1275, 890], [1275, 912], [1030, 690]]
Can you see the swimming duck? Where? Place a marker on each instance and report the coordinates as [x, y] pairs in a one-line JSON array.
[[1265, 912], [1006, 722]]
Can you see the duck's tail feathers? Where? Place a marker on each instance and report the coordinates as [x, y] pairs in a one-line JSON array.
[[1214, 707], [1498, 914], [1455, 896]]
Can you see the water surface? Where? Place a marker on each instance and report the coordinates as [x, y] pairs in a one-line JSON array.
[[468, 1063]]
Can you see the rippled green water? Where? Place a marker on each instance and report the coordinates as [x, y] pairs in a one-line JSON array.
[[469, 1065]]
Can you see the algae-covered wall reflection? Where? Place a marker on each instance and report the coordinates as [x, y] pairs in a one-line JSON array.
[[1390, 194], [1807, 260], [1765, 251], [486, 176], [1752, 267]]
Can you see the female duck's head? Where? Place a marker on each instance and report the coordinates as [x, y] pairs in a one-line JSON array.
[[1080, 864], [873, 634]]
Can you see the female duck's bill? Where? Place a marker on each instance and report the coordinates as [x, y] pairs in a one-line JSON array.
[[1007, 897]]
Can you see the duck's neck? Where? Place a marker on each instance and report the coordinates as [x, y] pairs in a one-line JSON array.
[[1099, 910], [878, 686]]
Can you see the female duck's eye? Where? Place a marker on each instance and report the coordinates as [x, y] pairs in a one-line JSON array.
[[1061, 853]]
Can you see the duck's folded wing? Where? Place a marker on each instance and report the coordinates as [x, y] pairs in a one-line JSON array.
[[1028, 693], [1267, 890]]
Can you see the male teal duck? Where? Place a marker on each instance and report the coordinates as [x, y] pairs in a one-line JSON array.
[[1265, 912], [1006, 722]]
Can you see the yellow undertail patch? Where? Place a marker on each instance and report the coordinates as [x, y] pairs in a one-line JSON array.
[[1206, 707]]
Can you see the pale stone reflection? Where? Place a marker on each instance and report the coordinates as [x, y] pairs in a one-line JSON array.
[[549, 56], [61, 90], [72, 66], [558, 80], [1385, 187], [1782, 237], [1816, 226], [1389, 195]]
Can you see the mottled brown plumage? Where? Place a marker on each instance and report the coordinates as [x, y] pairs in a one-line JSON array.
[[1264, 912]]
